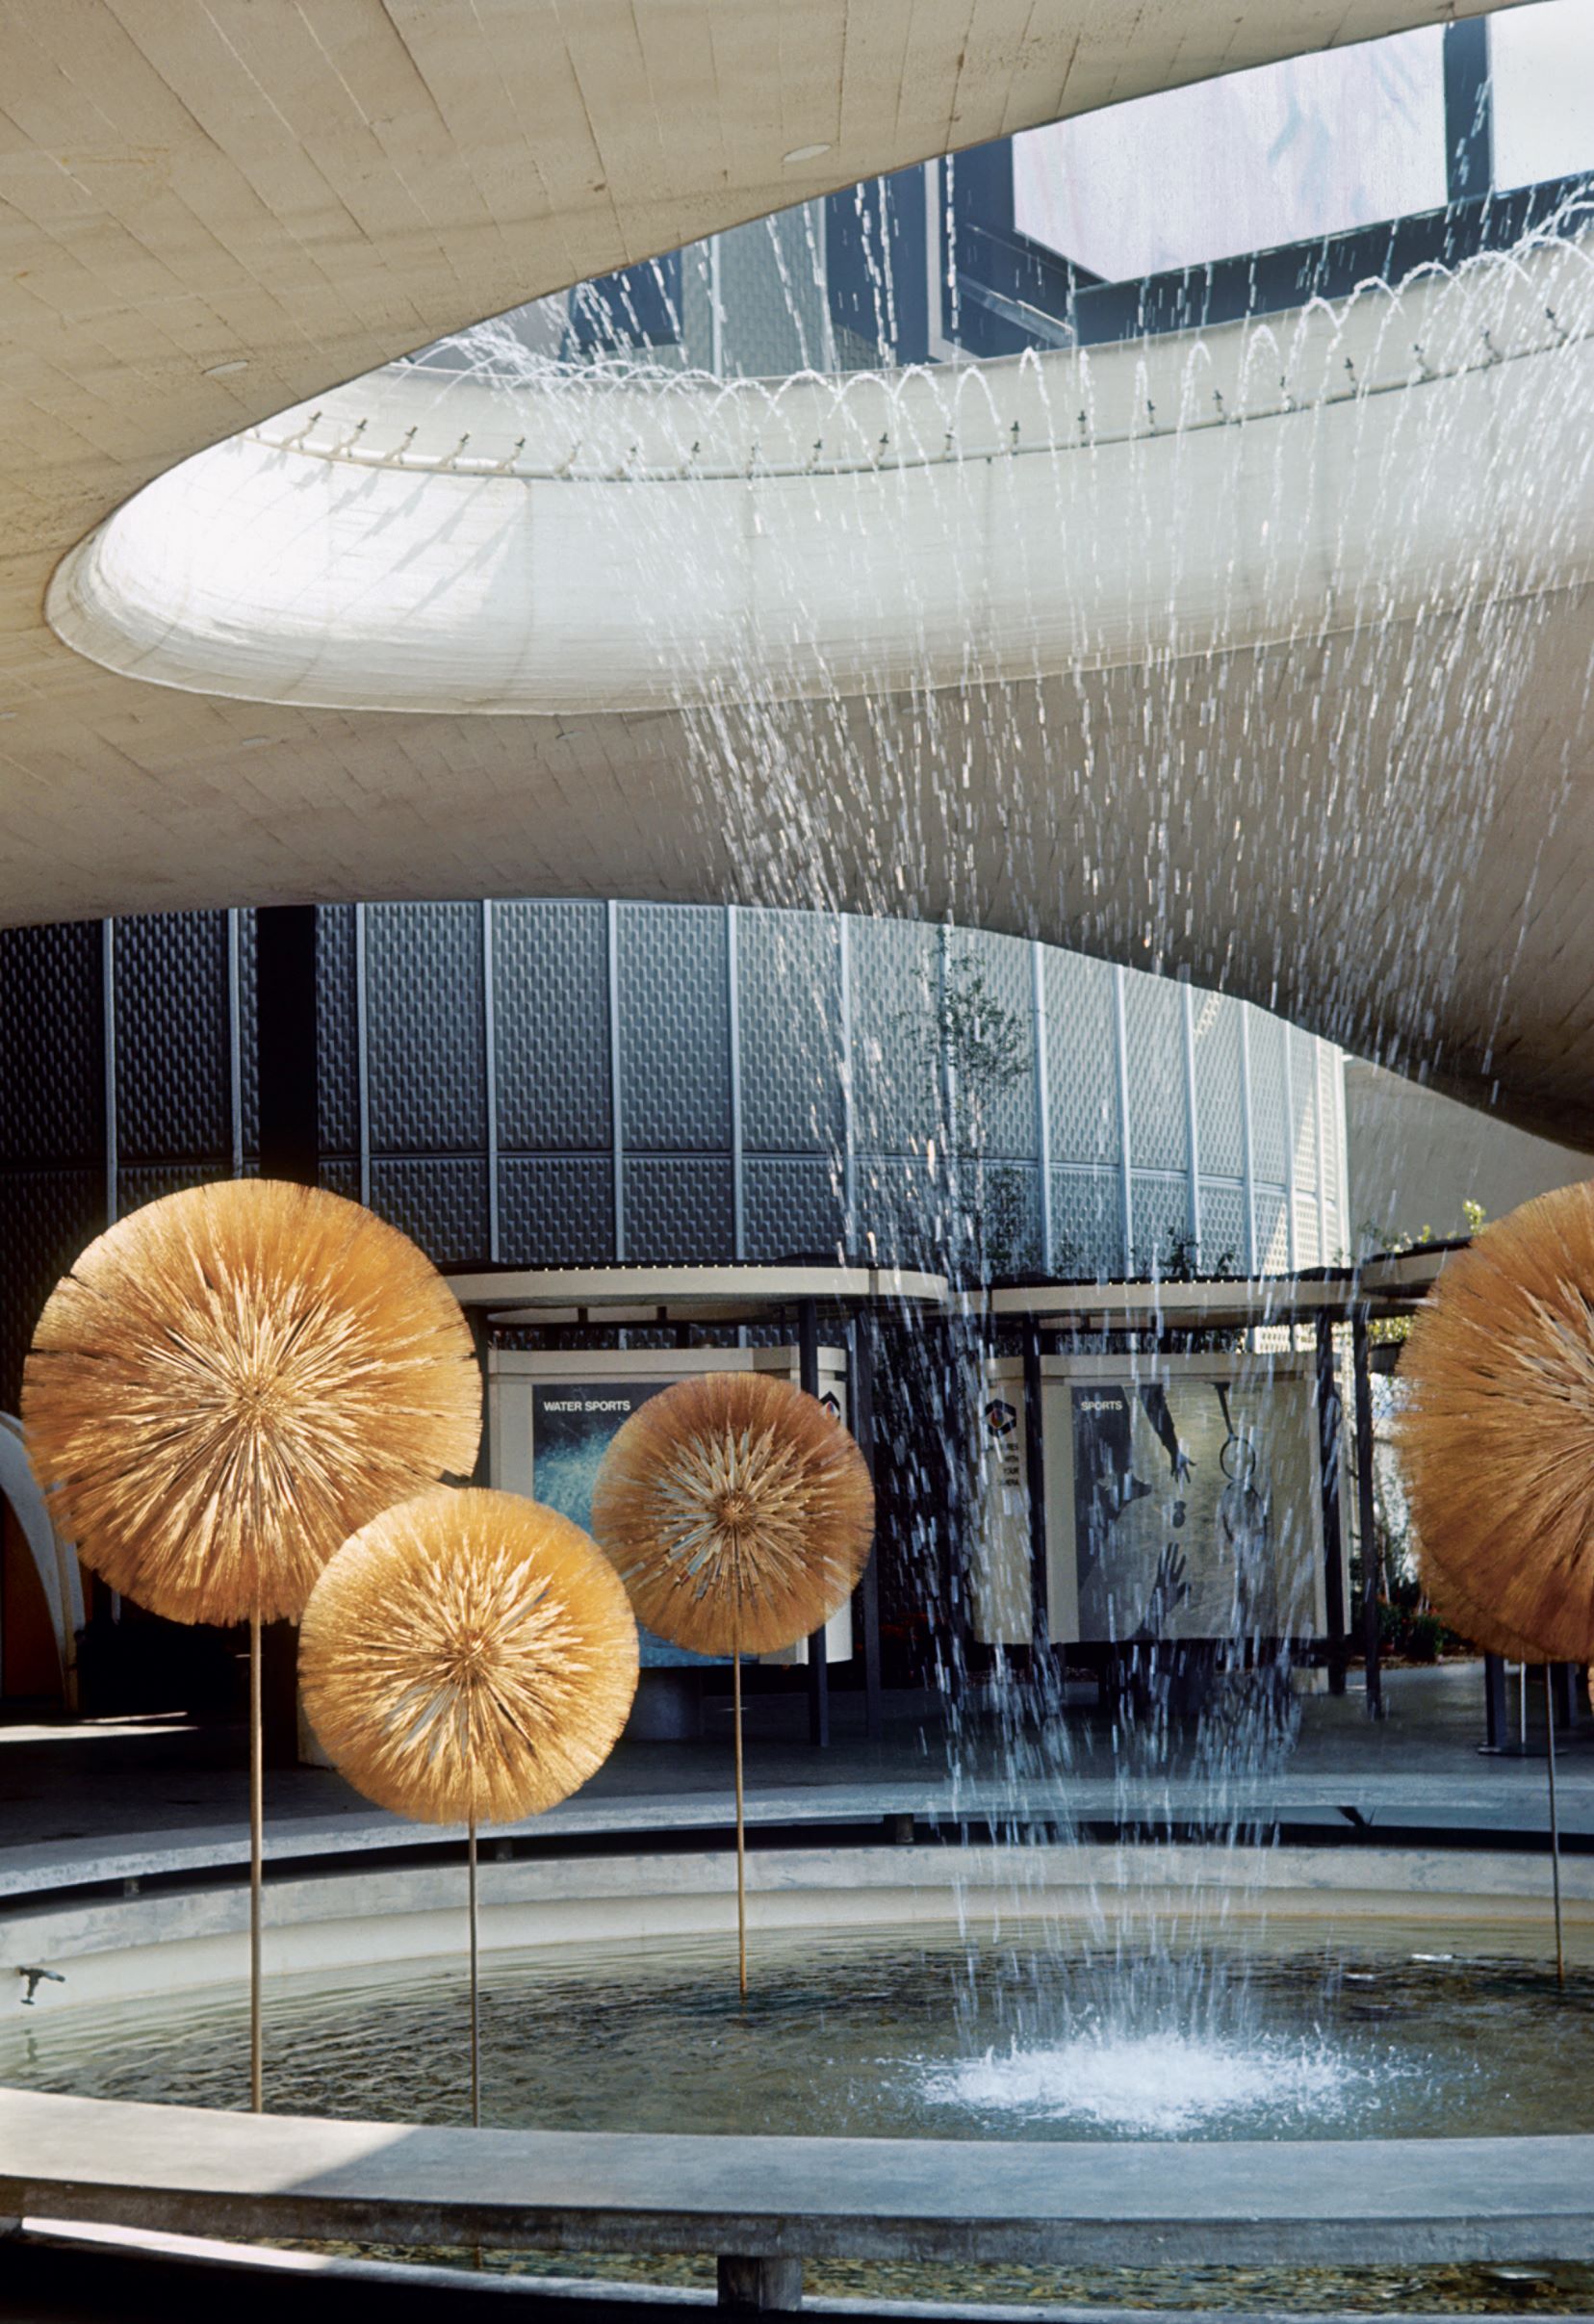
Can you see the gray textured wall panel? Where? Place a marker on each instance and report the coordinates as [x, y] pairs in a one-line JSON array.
[[148, 1183], [47, 1218], [551, 1009], [895, 1050], [1222, 1210], [1081, 1058], [1219, 1111], [556, 1210], [1303, 1094], [1087, 1222], [1269, 1136], [679, 1209], [1153, 1023], [337, 1032], [1007, 1197], [793, 1204], [173, 1059], [1273, 1249], [991, 1010], [675, 1031], [790, 987], [1161, 1221], [248, 1044], [52, 1055], [443, 1205], [429, 1086], [903, 1211]]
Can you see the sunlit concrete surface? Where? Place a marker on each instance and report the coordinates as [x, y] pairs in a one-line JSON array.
[[190, 2169]]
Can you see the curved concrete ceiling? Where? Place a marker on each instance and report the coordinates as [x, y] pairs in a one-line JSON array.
[[212, 212]]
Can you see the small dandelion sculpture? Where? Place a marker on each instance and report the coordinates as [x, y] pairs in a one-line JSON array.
[[223, 1387], [1496, 1443], [469, 1658], [739, 1515]]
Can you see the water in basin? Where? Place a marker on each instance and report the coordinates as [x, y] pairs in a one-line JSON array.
[[896, 2032]]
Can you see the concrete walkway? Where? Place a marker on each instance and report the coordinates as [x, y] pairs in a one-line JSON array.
[[127, 1799], [944, 2201]]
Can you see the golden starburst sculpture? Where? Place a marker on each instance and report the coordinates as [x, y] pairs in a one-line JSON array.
[[232, 1380], [1481, 1629], [468, 1657], [737, 1510], [1497, 1439]]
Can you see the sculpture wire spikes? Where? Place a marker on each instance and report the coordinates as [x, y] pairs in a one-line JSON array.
[[223, 1387], [469, 1657], [739, 1515], [1497, 1437], [1496, 1443]]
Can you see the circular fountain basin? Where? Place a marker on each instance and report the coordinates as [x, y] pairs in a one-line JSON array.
[[935, 2023], [1029, 2032]]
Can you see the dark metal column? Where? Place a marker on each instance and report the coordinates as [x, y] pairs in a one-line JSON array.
[[289, 1147], [1034, 1486], [1366, 1514], [1496, 1732], [285, 1026], [1328, 1442], [818, 1666], [866, 1603]]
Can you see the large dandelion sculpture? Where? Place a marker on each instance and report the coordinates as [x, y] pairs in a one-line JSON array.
[[1496, 1443], [739, 1515], [469, 1657], [222, 1388]]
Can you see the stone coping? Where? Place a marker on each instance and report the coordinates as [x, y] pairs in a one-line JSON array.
[[1375, 1808], [191, 2170]]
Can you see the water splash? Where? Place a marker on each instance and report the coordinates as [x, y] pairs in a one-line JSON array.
[[1166, 2083]]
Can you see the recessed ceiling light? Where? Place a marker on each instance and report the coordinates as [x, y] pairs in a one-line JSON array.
[[805, 153], [226, 370]]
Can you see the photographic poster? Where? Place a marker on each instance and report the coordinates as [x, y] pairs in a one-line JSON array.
[[572, 1425], [1195, 1505]]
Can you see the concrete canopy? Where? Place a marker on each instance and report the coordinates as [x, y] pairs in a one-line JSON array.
[[307, 194]]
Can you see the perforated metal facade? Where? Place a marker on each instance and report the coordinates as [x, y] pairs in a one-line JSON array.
[[557, 1082]]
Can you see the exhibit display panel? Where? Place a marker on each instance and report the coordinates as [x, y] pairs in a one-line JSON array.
[[1183, 1500], [553, 1414]]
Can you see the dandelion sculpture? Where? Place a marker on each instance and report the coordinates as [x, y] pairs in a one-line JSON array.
[[469, 1657], [223, 1387], [1496, 1443], [739, 1515]]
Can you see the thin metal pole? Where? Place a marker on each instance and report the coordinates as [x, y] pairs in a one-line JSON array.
[[1555, 1822], [1361, 1360], [257, 1829], [476, 1978], [741, 1832]]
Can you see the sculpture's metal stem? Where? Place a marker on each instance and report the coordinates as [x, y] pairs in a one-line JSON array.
[[257, 1829], [741, 1832], [476, 1978]]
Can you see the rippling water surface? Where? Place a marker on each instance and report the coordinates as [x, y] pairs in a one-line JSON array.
[[890, 2035]]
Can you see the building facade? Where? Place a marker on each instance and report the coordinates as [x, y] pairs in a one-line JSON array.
[[548, 1083]]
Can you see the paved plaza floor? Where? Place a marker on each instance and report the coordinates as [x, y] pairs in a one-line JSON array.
[[121, 1799]]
